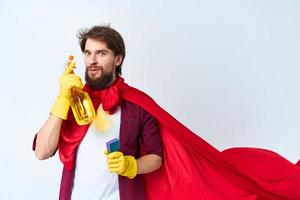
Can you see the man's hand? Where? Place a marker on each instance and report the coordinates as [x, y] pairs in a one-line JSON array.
[[68, 80], [122, 165]]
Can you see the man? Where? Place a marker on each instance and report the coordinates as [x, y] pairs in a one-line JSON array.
[[104, 52], [191, 169]]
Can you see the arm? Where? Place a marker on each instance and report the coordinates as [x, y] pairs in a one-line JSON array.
[[151, 145], [148, 163], [47, 138]]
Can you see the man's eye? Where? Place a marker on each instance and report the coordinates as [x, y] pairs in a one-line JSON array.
[[86, 53], [101, 53]]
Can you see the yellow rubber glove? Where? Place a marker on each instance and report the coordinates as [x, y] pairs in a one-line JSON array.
[[68, 80], [122, 165]]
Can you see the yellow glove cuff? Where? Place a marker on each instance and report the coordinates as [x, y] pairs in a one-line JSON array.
[[131, 167], [61, 107]]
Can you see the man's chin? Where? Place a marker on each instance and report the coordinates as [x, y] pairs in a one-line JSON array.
[[98, 81], [94, 77]]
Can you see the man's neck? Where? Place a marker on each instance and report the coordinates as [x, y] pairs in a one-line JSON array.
[[112, 81]]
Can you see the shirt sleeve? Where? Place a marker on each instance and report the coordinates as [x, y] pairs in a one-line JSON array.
[[150, 138], [34, 142]]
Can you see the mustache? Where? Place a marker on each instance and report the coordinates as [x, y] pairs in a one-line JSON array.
[[94, 67]]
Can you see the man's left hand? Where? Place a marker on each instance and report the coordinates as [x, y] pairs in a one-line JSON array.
[[122, 165]]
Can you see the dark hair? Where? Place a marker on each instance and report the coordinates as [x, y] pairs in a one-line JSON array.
[[105, 33]]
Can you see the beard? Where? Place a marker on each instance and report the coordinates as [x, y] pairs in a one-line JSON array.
[[101, 82]]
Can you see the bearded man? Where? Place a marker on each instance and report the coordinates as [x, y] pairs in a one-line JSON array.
[[87, 170]]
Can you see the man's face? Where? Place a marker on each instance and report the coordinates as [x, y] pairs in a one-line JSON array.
[[101, 63]]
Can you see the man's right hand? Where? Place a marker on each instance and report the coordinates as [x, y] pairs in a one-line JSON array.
[[68, 80]]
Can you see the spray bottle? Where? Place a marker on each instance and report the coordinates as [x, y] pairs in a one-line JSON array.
[[81, 104]]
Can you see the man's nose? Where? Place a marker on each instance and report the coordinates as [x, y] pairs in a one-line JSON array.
[[93, 60]]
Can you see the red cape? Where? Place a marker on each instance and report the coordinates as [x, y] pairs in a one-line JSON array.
[[192, 168]]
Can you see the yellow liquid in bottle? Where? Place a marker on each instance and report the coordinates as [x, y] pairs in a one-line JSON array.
[[82, 107]]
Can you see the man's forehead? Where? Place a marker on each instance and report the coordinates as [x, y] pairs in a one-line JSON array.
[[94, 45]]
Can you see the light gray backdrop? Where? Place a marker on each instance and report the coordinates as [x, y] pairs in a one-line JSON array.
[[228, 70]]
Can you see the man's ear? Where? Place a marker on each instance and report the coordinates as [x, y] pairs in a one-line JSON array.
[[118, 59]]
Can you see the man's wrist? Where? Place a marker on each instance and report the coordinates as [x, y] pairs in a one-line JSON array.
[[61, 107]]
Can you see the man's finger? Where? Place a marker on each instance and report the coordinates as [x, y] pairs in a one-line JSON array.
[[70, 67]]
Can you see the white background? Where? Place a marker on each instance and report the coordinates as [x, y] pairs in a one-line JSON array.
[[228, 70]]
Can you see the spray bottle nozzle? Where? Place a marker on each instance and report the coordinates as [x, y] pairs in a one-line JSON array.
[[71, 57]]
